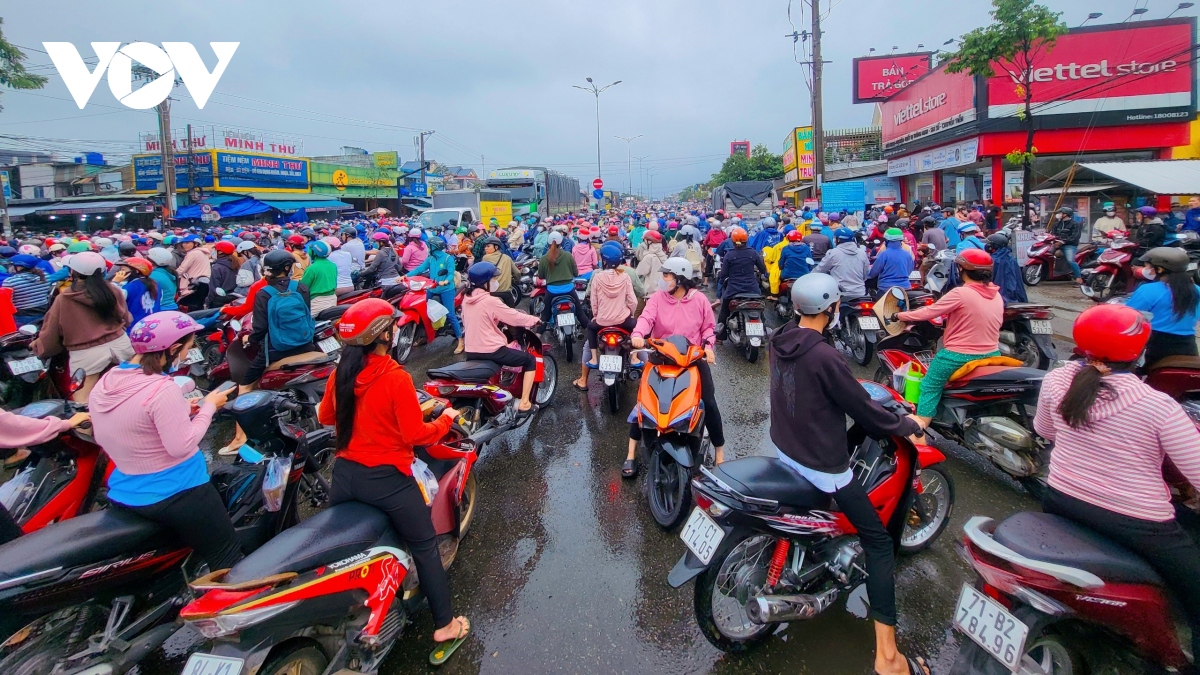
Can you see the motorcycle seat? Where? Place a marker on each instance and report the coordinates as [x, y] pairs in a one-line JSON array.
[[770, 478], [992, 367], [1184, 362], [1025, 305], [307, 358], [466, 371], [201, 314], [334, 534], [394, 290], [1053, 539], [331, 313], [88, 538], [354, 295]]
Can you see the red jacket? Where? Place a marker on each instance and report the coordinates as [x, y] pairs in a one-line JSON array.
[[387, 418], [247, 305], [714, 237]]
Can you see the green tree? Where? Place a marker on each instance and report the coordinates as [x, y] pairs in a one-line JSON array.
[[761, 165], [1021, 32], [12, 67]]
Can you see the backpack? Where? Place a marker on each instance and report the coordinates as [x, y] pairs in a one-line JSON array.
[[692, 255], [289, 322]]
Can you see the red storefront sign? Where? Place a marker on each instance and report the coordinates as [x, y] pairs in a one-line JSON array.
[[1104, 75], [934, 103], [878, 78]]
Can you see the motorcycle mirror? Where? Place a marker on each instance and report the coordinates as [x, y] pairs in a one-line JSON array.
[[28, 329], [77, 379], [186, 384], [236, 326], [810, 261], [897, 293]]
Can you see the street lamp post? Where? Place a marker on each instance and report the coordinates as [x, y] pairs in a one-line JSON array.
[[629, 162], [641, 176], [596, 91]]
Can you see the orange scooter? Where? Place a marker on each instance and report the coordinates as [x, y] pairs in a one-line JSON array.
[[670, 413]]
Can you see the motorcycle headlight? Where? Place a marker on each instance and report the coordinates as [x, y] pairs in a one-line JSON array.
[[225, 624], [682, 423]]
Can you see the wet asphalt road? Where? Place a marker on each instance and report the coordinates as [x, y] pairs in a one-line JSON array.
[[564, 569]]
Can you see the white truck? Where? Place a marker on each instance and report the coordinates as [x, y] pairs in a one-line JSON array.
[[463, 207]]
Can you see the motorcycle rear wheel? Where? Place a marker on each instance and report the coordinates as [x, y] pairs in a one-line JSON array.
[[549, 383], [1055, 656], [737, 571], [304, 659], [614, 397], [39, 654], [860, 348], [668, 489]]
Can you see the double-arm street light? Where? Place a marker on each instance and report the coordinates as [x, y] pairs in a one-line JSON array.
[[596, 91]]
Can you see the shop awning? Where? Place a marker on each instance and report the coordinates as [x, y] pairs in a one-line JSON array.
[[798, 188], [289, 205], [1162, 177], [86, 207], [1077, 189]]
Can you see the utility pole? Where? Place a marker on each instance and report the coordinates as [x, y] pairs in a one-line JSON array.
[[641, 175], [4, 206], [629, 162], [651, 187], [596, 91], [483, 167], [191, 173], [818, 124], [423, 135], [168, 159]]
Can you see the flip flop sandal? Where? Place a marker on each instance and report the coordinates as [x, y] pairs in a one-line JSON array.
[[445, 650], [916, 666], [576, 385], [629, 469]]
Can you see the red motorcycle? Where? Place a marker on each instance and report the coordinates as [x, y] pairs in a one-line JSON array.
[[1114, 272], [290, 372], [410, 297], [1046, 261], [486, 392], [768, 547], [341, 577], [1045, 583]]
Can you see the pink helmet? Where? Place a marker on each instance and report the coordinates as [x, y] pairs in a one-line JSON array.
[[380, 236], [158, 331], [333, 242]]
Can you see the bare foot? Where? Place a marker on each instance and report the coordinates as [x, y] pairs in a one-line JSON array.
[[898, 665], [455, 629]]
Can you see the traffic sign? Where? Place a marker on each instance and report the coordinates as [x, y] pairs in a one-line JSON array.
[[598, 184], [206, 208], [598, 194]]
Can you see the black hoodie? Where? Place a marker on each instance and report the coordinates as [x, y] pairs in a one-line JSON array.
[[812, 392]]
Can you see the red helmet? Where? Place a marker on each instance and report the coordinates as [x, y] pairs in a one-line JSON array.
[[225, 247], [739, 236], [974, 259], [142, 265], [1111, 333], [297, 240], [654, 235], [795, 235], [612, 230], [365, 321]]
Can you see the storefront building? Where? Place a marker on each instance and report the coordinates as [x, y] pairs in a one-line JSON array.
[[946, 135]]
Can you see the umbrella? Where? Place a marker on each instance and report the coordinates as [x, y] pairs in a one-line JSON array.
[[378, 212]]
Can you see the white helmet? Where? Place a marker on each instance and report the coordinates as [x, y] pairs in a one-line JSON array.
[[680, 267], [160, 256], [245, 246], [86, 263], [814, 293]]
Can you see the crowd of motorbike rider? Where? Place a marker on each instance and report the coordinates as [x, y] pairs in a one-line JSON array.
[[115, 303]]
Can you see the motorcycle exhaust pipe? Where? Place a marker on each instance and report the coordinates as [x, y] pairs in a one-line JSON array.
[[764, 609]]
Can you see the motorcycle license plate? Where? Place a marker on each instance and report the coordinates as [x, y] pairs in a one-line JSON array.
[[868, 323], [207, 664], [702, 535], [565, 319], [31, 364], [610, 363], [194, 356], [328, 345], [1041, 327], [991, 627], [755, 329]]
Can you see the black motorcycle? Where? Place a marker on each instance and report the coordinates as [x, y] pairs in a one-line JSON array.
[[745, 326], [857, 330]]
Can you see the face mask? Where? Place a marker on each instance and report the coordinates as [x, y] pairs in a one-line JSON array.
[[1110, 214], [176, 365], [494, 285], [1150, 273], [665, 286]]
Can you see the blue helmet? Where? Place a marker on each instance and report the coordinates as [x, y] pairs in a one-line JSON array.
[[481, 273], [612, 254], [843, 234], [318, 249]]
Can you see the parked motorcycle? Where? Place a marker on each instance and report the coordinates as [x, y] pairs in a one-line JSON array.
[[1046, 261], [987, 407], [768, 547], [745, 325], [96, 593], [333, 593], [670, 413], [486, 393], [1048, 589]]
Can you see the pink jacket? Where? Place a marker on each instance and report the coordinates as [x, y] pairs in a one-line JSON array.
[[414, 255], [973, 314], [196, 264], [691, 317], [613, 299], [585, 257], [482, 315], [142, 421], [17, 431]]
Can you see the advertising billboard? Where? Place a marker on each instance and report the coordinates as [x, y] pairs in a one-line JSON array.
[[878, 78], [265, 173], [1139, 73], [147, 172], [804, 153], [935, 103], [740, 148]]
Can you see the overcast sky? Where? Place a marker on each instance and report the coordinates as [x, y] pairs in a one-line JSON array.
[[493, 78]]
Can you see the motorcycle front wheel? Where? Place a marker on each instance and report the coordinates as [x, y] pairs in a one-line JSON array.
[[1033, 274], [930, 513], [404, 342], [668, 489], [737, 572], [1102, 286], [304, 659]]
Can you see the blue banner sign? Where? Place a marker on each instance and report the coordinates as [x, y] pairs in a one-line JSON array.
[[261, 172], [147, 171]]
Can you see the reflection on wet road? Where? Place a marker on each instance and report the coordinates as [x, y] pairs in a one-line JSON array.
[[565, 571]]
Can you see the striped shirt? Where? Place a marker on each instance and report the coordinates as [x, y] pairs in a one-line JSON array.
[[1115, 461], [29, 290]]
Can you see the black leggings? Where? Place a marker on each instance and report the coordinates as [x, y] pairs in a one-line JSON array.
[[506, 356], [593, 329], [712, 414], [199, 518], [1161, 345], [1165, 545], [9, 528], [878, 548], [397, 495]]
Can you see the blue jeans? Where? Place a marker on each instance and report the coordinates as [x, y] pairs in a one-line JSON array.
[[1069, 251], [446, 297]]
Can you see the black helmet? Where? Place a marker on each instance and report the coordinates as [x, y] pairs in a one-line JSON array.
[[126, 249], [278, 261], [308, 232], [492, 241], [1067, 210], [997, 241]]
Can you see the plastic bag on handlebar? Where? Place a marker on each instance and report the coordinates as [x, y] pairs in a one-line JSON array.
[[275, 481]]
